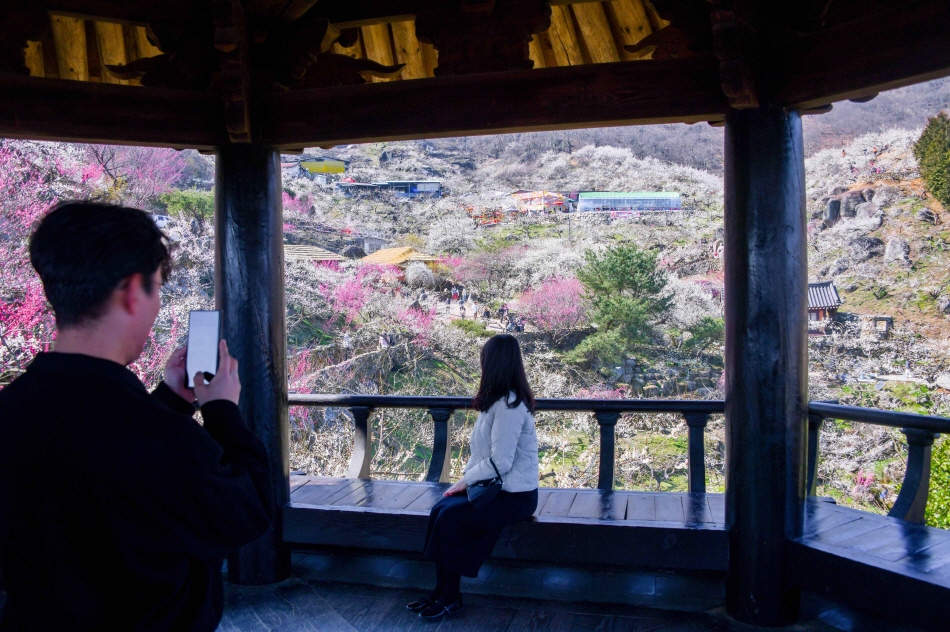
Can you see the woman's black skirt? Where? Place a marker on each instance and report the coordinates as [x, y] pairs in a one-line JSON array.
[[461, 537]]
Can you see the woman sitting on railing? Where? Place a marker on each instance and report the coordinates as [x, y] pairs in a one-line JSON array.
[[466, 523]]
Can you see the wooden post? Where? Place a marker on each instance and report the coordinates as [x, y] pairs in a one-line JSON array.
[[814, 442], [440, 468], [608, 440], [249, 291], [911, 503], [362, 454], [766, 359], [697, 451]]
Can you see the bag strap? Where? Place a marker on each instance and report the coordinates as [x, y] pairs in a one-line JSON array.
[[492, 461]]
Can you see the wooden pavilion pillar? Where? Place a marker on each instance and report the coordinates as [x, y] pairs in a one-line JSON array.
[[249, 290], [765, 360]]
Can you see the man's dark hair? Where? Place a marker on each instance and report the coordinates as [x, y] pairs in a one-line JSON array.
[[503, 372], [83, 250]]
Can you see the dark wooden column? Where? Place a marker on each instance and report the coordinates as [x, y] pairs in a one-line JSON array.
[[249, 290], [766, 358]]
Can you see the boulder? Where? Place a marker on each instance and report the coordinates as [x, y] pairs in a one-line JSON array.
[[886, 195], [926, 215], [943, 381], [838, 266], [943, 304], [868, 194], [353, 252], [897, 251], [832, 212], [668, 387], [849, 203], [865, 209], [837, 189], [651, 391], [704, 392], [863, 248]]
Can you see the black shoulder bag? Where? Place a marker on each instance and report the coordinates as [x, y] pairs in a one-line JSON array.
[[480, 493]]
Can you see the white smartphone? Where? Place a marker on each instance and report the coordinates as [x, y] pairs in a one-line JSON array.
[[204, 332]]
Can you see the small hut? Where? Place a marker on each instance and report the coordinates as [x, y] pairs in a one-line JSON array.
[[823, 300]]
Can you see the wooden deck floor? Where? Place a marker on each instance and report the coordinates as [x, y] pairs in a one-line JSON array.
[[885, 563], [852, 556]]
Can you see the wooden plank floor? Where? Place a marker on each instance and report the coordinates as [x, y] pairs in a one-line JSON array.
[[583, 504], [876, 561], [572, 526]]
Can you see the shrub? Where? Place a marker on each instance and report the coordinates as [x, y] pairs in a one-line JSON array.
[[473, 328], [419, 275], [932, 151], [706, 332], [938, 505], [189, 204]]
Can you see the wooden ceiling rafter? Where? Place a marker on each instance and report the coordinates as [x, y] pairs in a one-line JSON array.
[[807, 68]]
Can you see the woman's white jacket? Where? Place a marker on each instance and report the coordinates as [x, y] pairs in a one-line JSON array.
[[506, 435]]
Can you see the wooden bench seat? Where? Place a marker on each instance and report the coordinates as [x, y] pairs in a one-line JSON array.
[[589, 527], [888, 565]]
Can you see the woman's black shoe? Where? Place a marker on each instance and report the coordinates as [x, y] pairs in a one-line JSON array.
[[437, 610], [422, 604]]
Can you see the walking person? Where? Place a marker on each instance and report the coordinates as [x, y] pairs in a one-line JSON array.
[[461, 533]]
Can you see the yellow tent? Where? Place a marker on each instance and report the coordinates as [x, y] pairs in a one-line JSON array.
[[398, 256]]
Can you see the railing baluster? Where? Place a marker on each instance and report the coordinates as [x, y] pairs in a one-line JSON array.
[[362, 454], [912, 501], [814, 434], [697, 451], [607, 422], [440, 467]]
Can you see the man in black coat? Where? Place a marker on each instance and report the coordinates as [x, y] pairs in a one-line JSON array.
[[116, 507]]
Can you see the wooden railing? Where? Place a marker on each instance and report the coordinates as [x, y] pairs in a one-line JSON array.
[[605, 411], [920, 432]]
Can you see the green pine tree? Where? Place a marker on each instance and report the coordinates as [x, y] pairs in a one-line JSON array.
[[625, 290], [932, 151]]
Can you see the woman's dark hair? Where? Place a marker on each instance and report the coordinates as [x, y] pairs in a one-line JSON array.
[[83, 250], [502, 372]]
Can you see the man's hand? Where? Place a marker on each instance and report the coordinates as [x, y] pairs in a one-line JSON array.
[[457, 488], [174, 377], [226, 383]]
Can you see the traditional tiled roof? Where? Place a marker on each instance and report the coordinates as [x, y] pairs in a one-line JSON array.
[[310, 253], [823, 295], [397, 256]]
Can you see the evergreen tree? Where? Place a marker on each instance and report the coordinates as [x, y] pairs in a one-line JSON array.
[[625, 291], [932, 151]]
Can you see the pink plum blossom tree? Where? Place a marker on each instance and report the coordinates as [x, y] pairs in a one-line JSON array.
[[556, 307]]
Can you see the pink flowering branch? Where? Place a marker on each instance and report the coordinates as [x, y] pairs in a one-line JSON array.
[[556, 308]]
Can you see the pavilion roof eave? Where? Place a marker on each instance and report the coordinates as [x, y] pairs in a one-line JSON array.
[[892, 49], [596, 95], [626, 93]]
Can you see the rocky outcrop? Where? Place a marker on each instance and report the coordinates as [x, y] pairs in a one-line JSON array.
[[864, 248], [886, 195], [832, 212], [897, 252], [865, 209], [850, 202]]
